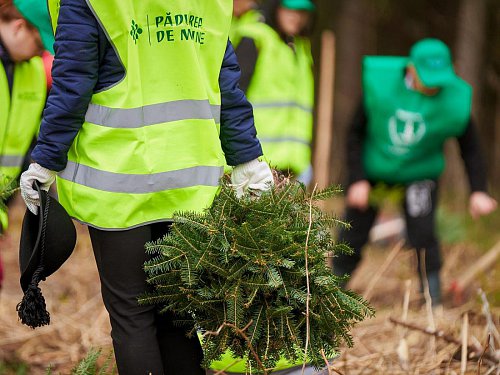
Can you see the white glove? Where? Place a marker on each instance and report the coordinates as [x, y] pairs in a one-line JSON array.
[[44, 176], [254, 175]]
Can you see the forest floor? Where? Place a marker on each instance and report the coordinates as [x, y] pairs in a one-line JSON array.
[[79, 321]]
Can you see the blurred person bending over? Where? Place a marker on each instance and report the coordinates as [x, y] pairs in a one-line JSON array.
[[276, 67], [411, 106], [144, 108], [24, 29]]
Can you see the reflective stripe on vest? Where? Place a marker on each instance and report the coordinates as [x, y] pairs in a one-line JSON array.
[[282, 94], [141, 183], [283, 139], [406, 130], [11, 160], [283, 104], [152, 114], [20, 113], [150, 144]]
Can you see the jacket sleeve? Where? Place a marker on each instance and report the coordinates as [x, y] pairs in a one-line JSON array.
[[74, 75], [237, 131], [247, 55], [472, 156]]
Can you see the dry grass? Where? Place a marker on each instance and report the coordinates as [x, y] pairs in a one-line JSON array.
[[78, 318], [80, 322]]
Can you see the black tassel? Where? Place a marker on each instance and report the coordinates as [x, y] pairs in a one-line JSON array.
[[32, 310]]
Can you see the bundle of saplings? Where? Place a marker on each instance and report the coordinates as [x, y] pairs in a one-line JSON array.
[[242, 264]]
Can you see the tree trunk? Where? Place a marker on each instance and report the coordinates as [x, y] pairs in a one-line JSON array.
[[354, 35], [496, 139], [469, 65], [470, 46]]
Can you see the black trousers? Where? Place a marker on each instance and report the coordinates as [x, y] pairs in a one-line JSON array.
[[145, 342], [419, 210]]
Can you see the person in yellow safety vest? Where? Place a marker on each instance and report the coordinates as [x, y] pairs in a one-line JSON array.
[[23, 87], [144, 108], [244, 12], [276, 64]]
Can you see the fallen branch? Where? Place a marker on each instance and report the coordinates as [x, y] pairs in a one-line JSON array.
[[465, 337], [474, 350], [326, 362], [480, 361]]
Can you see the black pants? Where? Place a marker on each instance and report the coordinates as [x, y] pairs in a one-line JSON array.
[[419, 209], [145, 342]]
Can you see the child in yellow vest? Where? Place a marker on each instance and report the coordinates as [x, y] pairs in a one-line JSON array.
[[276, 74], [22, 86]]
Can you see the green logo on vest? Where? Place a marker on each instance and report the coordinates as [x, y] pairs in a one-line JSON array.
[[406, 129], [135, 31]]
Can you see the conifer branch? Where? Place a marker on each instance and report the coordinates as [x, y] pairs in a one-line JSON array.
[[260, 260]]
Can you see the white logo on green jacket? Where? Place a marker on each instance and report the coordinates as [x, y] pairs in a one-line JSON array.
[[406, 129]]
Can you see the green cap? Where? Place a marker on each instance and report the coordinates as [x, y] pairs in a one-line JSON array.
[[298, 5], [432, 60], [37, 13]]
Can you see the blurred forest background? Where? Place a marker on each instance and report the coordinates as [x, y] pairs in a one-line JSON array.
[[471, 28]]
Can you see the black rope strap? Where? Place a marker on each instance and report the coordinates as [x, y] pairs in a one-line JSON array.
[[32, 310]]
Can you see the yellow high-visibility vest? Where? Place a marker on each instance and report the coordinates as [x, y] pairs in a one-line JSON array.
[[282, 94], [20, 114], [150, 143]]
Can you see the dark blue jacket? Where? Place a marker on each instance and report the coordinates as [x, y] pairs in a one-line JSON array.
[[86, 63]]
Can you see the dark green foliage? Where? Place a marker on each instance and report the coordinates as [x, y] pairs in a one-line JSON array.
[[244, 261], [89, 366]]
